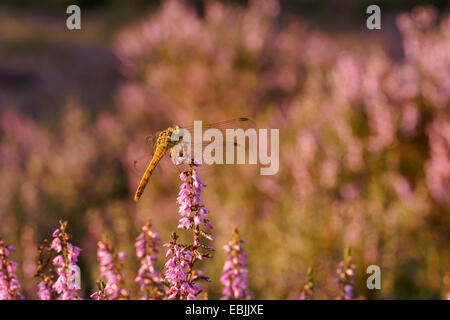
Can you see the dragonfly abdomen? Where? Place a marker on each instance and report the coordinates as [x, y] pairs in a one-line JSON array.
[[157, 156]]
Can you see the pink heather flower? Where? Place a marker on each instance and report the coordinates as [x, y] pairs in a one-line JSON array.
[[60, 285], [44, 291], [148, 278], [56, 244], [346, 273], [193, 212], [72, 253], [184, 223], [122, 255], [59, 261], [101, 293], [183, 176], [180, 262], [111, 271], [9, 285], [197, 184], [235, 273], [66, 285], [45, 286], [179, 268]]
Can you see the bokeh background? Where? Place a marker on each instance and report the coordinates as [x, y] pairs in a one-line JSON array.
[[363, 117]]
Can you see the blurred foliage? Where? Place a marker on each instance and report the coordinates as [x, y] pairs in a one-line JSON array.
[[364, 147], [349, 5]]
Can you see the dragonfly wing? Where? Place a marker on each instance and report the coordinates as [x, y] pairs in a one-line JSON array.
[[140, 162], [234, 124], [235, 145]]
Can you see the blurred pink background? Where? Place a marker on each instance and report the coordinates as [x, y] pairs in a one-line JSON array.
[[364, 138]]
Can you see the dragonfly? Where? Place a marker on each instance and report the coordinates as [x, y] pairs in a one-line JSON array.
[[167, 140]]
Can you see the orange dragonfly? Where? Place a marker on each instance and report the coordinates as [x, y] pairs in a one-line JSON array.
[[168, 139]]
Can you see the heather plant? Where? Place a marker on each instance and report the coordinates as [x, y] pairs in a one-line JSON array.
[[44, 273], [308, 288], [62, 280], [110, 264], [346, 273], [65, 264], [447, 287], [148, 278], [234, 272], [9, 284], [180, 274]]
